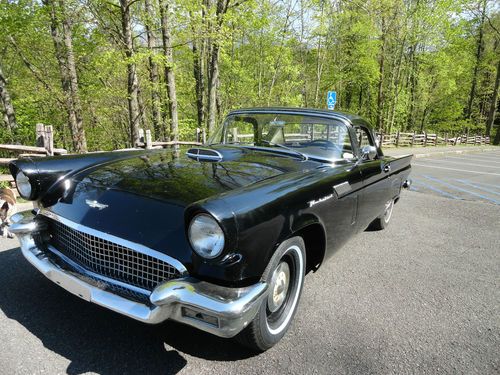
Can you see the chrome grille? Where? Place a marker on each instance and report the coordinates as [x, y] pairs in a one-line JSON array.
[[110, 259]]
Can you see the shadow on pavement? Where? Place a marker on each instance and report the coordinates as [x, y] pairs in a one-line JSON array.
[[95, 339]]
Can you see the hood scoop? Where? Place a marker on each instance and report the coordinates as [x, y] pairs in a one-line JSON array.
[[204, 154]]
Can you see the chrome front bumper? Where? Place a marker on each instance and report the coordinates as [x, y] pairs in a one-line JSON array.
[[219, 310]]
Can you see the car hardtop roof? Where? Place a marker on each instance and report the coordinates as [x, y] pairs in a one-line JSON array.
[[347, 117]]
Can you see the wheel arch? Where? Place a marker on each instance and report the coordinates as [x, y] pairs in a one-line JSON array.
[[314, 237]]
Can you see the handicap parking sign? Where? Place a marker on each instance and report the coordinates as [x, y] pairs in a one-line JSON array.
[[331, 99]]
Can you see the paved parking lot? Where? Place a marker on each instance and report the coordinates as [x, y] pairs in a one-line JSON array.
[[465, 177], [422, 296]]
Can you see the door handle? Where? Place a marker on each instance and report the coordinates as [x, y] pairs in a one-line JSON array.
[[387, 168]]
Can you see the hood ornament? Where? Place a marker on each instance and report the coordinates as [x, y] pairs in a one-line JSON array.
[[95, 204]]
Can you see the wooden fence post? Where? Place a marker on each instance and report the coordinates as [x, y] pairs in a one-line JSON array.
[[397, 139], [45, 137], [425, 139], [49, 139], [141, 136], [40, 135], [149, 142], [234, 132]]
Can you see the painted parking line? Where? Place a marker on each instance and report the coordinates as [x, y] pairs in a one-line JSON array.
[[485, 155], [454, 169], [497, 161], [485, 184], [433, 188], [462, 163], [462, 190], [474, 185], [413, 187]]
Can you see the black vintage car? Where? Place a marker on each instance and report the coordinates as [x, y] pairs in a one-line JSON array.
[[219, 236]]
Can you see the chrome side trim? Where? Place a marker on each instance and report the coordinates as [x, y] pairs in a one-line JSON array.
[[132, 245], [342, 188]]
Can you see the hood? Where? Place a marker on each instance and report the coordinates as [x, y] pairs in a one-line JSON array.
[[182, 180], [143, 198]]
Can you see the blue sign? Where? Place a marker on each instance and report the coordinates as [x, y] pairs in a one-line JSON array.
[[331, 99]]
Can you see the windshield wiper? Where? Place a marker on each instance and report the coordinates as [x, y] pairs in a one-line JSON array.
[[303, 156]]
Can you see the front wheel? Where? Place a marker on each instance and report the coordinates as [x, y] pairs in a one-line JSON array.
[[284, 276]]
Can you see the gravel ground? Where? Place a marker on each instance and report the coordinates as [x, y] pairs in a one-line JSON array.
[[422, 296]]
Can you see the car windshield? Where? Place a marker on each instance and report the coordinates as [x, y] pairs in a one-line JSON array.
[[298, 134]]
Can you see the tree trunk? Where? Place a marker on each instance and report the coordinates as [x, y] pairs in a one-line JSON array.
[[213, 77], [494, 103], [380, 96], [154, 76], [199, 73], [479, 54], [413, 82], [319, 62], [132, 81], [78, 133], [277, 64], [9, 113], [496, 141], [395, 80], [213, 66], [63, 44], [169, 70]]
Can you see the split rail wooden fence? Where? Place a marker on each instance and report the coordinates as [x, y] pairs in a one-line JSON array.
[[400, 139], [45, 143]]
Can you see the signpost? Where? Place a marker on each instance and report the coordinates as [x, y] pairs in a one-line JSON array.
[[331, 99]]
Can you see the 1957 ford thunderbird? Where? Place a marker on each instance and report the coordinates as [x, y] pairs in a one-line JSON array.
[[218, 236]]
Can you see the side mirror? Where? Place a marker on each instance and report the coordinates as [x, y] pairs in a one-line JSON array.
[[368, 152]]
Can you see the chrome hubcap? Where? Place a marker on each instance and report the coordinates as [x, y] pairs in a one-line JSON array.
[[278, 286], [388, 210]]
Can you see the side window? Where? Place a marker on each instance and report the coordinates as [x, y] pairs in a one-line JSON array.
[[362, 137]]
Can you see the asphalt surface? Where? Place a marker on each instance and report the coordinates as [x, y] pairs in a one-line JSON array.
[[422, 296], [463, 177]]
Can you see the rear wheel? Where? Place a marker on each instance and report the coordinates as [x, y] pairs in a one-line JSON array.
[[284, 276], [383, 220]]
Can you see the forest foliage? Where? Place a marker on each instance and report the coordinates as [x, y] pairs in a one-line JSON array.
[[98, 70]]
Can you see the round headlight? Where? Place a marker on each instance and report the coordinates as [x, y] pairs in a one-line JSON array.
[[206, 236], [23, 185]]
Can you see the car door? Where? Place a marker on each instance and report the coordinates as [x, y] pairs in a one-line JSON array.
[[337, 193], [375, 174]]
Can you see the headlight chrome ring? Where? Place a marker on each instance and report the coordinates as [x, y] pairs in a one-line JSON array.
[[206, 236], [24, 185]]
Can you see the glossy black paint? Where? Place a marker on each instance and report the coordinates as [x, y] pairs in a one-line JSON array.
[[260, 198]]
